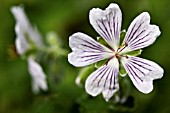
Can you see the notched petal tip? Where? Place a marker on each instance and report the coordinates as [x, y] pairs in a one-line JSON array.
[[104, 80], [145, 14], [86, 50], [74, 61], [108, 93], [113, 5], [91, 89], [16, 9], [74, 37], [145, 87], [156, 29], [107, 23], [141, 33], [142, 72]]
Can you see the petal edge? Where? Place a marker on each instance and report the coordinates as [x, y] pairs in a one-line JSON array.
[[142, 72], [86, 50]]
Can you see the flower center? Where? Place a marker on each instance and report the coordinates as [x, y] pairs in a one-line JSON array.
[[121, 48], [117, 53]]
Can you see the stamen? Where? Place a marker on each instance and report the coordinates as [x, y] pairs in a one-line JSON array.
[[109, 60], [119, 56], [122, 47], [110, 48], [124, 56]]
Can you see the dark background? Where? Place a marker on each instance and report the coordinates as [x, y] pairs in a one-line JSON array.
[[66, 17]]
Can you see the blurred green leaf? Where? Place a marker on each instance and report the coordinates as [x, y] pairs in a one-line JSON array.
[[135, 52], [83, 74], [122, 35], [122, 70]]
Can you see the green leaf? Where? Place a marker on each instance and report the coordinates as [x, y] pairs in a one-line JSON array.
[[122, 35], [55, 45], [83, 74], [102, 41], [122, 70], [100, 63], [135, 53], [31, 51], [53, 39]]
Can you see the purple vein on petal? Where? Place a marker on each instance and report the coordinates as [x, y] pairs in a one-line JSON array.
[[131, 37], [95, 46], [99, 73], [114, 73], [137, 42], [136, 37], [103, 74], [144, 67], [109, 35], [109, 23], [94, 59], [133, 73], [137, 67], [110, 87], [127, 37], [116, 32], [109, 73], [102, 32]]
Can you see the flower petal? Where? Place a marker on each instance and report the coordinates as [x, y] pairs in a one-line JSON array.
[[24, 26], [140, 33], [21, 43], [38, 75], [104, 80], [86, 50], [107, 23], [142, 72]]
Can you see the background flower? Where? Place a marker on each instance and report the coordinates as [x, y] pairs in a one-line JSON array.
[[65, 18], [27, 38]]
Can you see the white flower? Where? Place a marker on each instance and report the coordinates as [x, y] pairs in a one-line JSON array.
[[38, 76], [24, 31], [86, 51], [26, 35]]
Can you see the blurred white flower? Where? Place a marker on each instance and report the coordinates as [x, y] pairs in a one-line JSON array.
[[26, 37], [38, 76], [86, 51], [24, 31]]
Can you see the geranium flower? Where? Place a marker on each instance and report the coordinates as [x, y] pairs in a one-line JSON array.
[[27, 38], [87, 51]]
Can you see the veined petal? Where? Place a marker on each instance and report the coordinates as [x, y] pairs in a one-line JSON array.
[[38, 75], [142, 72], [104, 80], [25, 27], [86, 50], [140, 33], [107, 23]]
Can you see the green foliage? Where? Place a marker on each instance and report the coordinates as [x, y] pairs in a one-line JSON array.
[[122, 36], [122, 70], [135, 52], [64, 96], [102, 41], [54, 46], [83, 74]]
